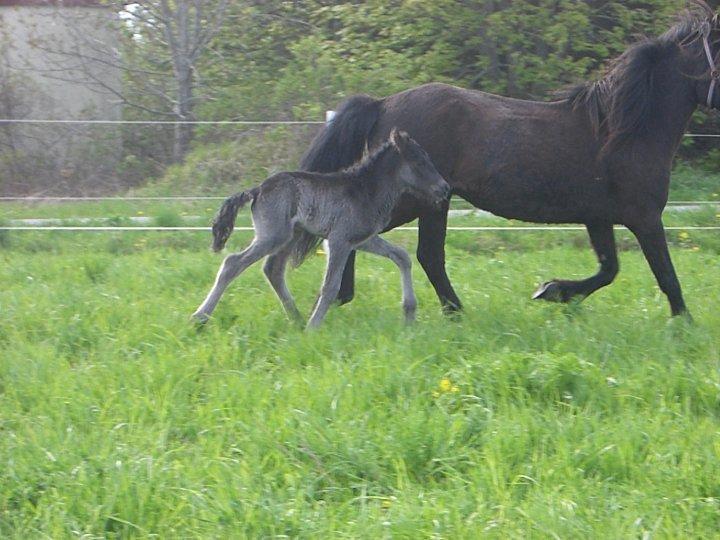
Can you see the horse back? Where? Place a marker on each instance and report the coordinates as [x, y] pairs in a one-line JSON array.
[[536, 161]]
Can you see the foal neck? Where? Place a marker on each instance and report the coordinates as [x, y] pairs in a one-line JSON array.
[[380, 177]]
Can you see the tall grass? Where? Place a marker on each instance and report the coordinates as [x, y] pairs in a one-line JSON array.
[[118, 418]]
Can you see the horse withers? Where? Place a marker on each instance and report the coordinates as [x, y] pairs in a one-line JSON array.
[[293, 211]]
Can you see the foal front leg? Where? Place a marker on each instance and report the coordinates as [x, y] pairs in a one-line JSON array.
[[337, 257], [399, 256]]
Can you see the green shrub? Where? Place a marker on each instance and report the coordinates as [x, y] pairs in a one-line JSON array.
[[216, 167]]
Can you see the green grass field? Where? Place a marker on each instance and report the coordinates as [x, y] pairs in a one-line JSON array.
[[118, 418]]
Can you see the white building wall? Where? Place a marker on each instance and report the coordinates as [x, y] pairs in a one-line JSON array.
[[35, 38], [59, 63]]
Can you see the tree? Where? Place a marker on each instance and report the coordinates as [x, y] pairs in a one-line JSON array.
[[162, 44]]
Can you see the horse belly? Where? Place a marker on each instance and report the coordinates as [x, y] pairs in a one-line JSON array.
[[542, 201]]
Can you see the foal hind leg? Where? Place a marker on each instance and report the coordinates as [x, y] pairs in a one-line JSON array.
[[274, 269], [602, 238], [231, 267], [263, 244], [399, 256]]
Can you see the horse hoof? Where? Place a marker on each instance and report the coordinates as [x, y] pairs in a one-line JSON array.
[[684, 315], [200, 318], [452, 310], [549, 291]]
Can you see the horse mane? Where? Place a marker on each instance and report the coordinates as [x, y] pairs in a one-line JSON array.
[[620, 103]]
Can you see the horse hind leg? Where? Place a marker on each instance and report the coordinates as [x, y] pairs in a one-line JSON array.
[[602, 238], [347, 285], [432, 228], [399, 256]]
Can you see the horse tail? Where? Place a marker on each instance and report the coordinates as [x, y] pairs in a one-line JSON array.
[[224, 222], [340, 143]]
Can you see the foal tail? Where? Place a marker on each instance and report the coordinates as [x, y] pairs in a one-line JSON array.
[[224, 221]]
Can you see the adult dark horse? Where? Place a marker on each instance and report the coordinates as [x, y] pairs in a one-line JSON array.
[[600, 155]]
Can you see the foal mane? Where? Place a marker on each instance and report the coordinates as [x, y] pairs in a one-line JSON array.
[[361, 168], [620, 103]]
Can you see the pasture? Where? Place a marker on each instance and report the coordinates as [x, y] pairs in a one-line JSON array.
[[119, 418]]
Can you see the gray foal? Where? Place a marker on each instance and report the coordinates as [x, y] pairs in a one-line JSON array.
[[293, 211]]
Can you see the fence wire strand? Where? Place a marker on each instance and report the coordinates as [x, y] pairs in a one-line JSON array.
[[409, 228], [214, 198]]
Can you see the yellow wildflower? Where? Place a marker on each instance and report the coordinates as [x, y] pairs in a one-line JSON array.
[[445, 385]]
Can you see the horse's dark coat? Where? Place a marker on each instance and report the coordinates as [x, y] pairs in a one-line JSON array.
[[599, 155]]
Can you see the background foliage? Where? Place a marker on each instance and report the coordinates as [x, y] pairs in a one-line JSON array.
[[292, 60]]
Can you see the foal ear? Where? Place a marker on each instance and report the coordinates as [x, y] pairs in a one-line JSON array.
[[705, 28], [394, 136], [399, 138]]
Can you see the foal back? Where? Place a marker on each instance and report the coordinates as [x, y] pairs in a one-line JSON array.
[[319, 204]]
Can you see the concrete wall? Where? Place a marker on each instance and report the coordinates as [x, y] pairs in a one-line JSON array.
[[59, 63], [35, 37]]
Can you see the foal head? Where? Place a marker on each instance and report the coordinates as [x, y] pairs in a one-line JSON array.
[[416, 172]]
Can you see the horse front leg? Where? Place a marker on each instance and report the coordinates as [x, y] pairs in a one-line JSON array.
[[602, 238], [431, 255], [651, 237]]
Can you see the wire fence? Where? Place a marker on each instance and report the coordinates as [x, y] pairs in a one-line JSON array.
[[165, 122], [488, 228], [190, 198], [185, 198]]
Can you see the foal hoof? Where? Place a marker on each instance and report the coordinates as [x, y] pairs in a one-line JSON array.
[[550, 291]]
